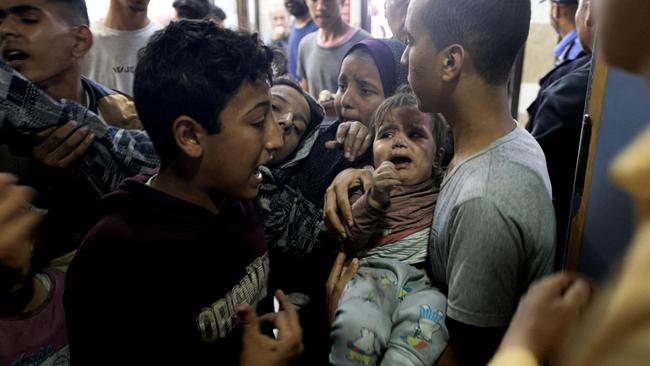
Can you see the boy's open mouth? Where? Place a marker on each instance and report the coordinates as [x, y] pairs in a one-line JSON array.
[[14, 57]]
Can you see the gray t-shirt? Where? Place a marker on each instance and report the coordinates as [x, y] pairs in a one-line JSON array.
[[321, 65], [493, 230]]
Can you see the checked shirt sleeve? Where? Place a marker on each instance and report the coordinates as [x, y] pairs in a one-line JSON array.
[[116, 153]]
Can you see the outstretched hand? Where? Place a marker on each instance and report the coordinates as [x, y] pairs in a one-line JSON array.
[[353, 137], [547, 314], [260, 349]]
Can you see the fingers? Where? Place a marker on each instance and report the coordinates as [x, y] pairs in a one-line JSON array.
[[342, 132], [358, 141], [64, 145], [330, 213], [78, 152], [365, 144], [288, 308], [19, 238], [343, 203], [335, 273], [332, 145], [350, 140], [247, 318], [6, 180], [17, 223], [348, 273], [578, 294], [366, 180], [14, 201], [557, 283], [43, 135], [53, 137], [250, 322]]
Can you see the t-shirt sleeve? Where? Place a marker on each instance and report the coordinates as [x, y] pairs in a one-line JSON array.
[[483, 265]]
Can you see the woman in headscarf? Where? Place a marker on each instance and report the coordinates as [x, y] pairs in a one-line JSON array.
[[300, 247]]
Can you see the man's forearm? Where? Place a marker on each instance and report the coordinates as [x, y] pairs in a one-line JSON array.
[[116, 153]]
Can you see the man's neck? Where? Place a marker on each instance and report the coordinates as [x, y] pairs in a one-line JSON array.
[[65, 87], [566, 28], [337, 30], [174, 184], [478, 118], [300, 22], [124, 19]]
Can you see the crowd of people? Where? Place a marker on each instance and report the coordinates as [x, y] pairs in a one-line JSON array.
[[188, 193]]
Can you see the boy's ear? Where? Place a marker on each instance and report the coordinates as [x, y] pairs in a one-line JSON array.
[[83, 41], [187, 133], [440, 155], [454, 57], [555, 10], [589, 16]]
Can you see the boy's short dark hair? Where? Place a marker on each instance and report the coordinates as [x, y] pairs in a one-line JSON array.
[[193, 68], [404, 98], [492, 31], [192, 9], [73, 12]]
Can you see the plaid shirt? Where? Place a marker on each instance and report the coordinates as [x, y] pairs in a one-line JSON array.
[[116, 153]]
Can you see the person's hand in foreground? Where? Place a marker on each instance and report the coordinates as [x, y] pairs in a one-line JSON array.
[[339, 277], [60, 147], [547, 314], [260, 349], [18, 224], [353, 137], [337, 199]]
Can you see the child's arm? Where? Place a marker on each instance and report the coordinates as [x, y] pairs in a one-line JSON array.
[[370, 208]]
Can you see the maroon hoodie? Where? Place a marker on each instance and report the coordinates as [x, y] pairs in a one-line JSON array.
[[158, 280]]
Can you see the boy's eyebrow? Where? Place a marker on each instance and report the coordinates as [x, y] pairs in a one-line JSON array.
[[263, 105]]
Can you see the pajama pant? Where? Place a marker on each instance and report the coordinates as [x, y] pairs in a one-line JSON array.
[[389, 314]]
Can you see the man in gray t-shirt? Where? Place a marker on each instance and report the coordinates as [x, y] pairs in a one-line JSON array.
[[493, 230], [321, 53], [321, 65]]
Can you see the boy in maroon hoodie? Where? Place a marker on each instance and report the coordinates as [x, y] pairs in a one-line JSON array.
[[161, 277]]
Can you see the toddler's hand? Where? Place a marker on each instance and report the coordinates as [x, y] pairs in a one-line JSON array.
[[383, 180]]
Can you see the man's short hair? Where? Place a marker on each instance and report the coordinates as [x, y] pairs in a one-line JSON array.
[[73, 12], [193, 68], [492, 31], [192, 9]]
